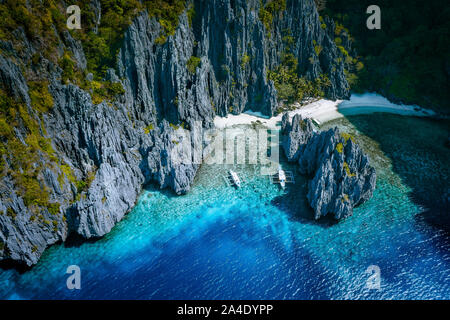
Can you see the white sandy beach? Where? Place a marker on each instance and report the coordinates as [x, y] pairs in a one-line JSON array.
[[325, 110]]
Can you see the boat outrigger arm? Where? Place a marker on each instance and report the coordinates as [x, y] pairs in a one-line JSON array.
[[282, 177], [233, 179]]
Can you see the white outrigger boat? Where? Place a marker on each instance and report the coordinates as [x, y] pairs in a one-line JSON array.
[[282, 177], [233, 178]]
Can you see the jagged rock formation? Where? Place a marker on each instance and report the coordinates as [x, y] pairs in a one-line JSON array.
[[228, 31], [223, 33], [342, 177], [295, 135], [147, 134]]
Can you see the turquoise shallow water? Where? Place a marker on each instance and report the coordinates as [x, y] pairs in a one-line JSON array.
[[259, 242]]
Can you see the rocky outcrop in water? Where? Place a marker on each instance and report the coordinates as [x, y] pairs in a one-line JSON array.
[[295, 135], [342, 177], [147, 134]]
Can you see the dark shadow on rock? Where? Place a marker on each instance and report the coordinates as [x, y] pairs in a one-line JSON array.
[[294, 201], [168, 192], [295, 205], [76, 240]]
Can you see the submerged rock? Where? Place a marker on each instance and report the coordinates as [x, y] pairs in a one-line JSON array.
[[342, 177]]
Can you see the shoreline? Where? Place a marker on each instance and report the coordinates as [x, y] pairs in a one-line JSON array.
[[323, 110]]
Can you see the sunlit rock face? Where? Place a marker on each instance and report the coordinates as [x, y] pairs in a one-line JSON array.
[[118, 147], [236, 52], [342, 177], [295, 134]]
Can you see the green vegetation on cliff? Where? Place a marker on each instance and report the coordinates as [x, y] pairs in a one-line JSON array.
[[192, 64], [101, 40], [101, 47], [24, 150], [245, 60], [26, 158], [408, 58], [41, 99], [168, 13], [290, 86], [267, 12], [36, 17]]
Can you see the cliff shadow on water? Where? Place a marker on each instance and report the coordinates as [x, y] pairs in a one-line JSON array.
[[294, 202], [419, 154], [10, 264]]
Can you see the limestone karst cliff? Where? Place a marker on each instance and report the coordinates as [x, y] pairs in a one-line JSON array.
[[341, 175], [79, 164]]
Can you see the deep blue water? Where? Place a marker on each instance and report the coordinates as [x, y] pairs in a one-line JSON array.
[[259, 242]]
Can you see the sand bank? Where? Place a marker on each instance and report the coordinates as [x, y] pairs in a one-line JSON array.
[[325, 110]]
